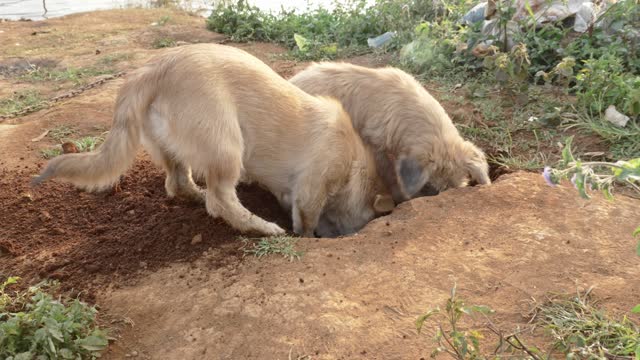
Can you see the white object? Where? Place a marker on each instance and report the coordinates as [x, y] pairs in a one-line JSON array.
[[615, 117], [378, 41]]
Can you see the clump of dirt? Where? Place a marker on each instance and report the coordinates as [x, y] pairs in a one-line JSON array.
[[93, 240]]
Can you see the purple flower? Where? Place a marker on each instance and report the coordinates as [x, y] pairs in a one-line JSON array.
[[546, 174]]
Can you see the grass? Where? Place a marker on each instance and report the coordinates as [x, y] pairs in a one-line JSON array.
[[88, 143], [35, 324], [62, 132], [74, 75], [112, 59], [84, 144], [581, 330], [163, 43], [20, 101], [50, 153], [276, 245]]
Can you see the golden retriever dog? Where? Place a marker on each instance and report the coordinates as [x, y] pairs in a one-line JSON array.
[[418, 149], [228, 116]]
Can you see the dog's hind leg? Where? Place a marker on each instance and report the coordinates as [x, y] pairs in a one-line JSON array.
[[222, 199], [179, 181]]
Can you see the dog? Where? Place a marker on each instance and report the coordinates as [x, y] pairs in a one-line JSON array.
[[418, 149], [223, 114]]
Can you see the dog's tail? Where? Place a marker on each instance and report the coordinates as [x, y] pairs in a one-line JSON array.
[[102, 168]]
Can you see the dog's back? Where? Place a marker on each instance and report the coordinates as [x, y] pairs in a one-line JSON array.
[[393, 112]]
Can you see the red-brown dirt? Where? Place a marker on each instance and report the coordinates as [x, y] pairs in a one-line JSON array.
[[131, 251]]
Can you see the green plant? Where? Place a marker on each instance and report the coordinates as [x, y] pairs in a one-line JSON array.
[[21, 100], [282, 245], [75, 75], [33, 324], [164, 20], [596, 175], [327, 33], [466, 344], [111, 59], [603, 82], [592, 175], [163, 43], [582, 331], [50, 153], [62, 132], [88, 143]]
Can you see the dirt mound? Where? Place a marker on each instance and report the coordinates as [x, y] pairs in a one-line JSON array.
[[94, 240], [358, 297]]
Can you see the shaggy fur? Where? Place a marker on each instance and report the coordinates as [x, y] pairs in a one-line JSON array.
[[226, 115], [419, 150]]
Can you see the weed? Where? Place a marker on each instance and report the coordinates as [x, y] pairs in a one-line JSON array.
[[21, 100], [163, 43], [33, 324], [163, 20], [466, 344], [62, 132], [623, 141], [583, 331], [282, 245], [111, 59], [74, 75], [88, 143], [345, 27], [50, 153]]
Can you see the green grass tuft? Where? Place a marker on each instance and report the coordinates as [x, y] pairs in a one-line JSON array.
[[279, 245], [583, 331], [20, 101], [74, 75]]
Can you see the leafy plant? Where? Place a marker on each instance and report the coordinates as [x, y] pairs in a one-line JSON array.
[[280, 245], [592, 175], [582, 331], [466, 344], [328, 33], [35, 325]]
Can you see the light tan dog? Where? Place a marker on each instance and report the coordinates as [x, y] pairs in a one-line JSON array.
[[419, 150], [226, 115]]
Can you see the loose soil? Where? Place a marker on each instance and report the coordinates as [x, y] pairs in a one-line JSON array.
[[132, 251]]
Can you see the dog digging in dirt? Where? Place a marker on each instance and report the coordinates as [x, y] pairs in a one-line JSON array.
[[226, 115], [419, 150]]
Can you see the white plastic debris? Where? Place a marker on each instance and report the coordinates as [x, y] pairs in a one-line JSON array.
[[476, 14], [613, 116], [381, 40]]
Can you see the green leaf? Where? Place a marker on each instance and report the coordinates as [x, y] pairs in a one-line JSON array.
[[302, 42], [607, 193], [567, 156], [420, 321], [638, 249], [636, 232], [93, 343], [636, 310], [580, 184], [24, 356], [482, 309]]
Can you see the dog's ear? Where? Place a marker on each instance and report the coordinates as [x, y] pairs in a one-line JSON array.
[[383, 203], [476, 164], [411, 175]]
